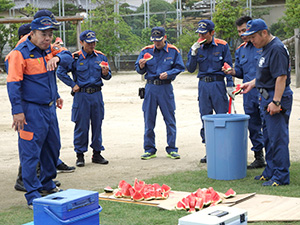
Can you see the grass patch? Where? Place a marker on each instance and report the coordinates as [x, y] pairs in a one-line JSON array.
[[114, 213]]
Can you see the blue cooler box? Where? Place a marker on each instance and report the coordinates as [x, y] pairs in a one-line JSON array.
[[74, 207]]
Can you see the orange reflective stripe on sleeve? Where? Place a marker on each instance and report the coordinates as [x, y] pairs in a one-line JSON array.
[[26, 135], [16, 65]]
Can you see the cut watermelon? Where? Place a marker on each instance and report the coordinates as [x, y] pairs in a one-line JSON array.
[[137, 196], [139, 185], [147, 56], [165, 188], [186, 204], [199, 204], [118, 194], [104, 64], [148, 196], [58, 40], [229, 193], [201, 41], [180, 206], [108, 189], [237, 89], [227, 67], [127, 190]]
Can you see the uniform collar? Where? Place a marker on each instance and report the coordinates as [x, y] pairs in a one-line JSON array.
[[32, 47], [84, 54]]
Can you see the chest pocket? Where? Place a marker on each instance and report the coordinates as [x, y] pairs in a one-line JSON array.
[[217, 62], [203, 64], [81, 68], [167, 64]]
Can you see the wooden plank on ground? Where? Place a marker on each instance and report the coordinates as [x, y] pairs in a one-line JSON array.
[[271, 208]]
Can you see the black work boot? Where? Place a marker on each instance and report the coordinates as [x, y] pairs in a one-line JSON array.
[[19, 186], [97, 158], [80, 160], [203, 160], [259, 161]]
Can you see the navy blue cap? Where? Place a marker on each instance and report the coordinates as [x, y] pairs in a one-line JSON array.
[[255, 25], [205, 26], [42, 23], [24, 29], [157, 33], [45, 12], [88, 36]]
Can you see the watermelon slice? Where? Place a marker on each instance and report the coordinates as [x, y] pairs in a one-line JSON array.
[[148, 196], [137, 196], [108, 189], [237, 89], [58, 40], [227, 67], [199, 204], [147, 56], [230, 193], [139, 185], [118, 194], [201, 41], [180, 206], [104, 64], [165, 188]]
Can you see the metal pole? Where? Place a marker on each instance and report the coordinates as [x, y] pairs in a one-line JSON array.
[[211, 11], [250, 6], [148, 12], [64, 27], [145, 15], [59, 14]]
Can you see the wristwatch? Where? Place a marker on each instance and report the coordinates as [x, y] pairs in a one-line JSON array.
[[277, 103]]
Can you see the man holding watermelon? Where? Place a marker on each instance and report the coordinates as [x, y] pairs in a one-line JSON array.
[[211, 54], [246, 57], [89, 67], [161, 63], [273, 82]]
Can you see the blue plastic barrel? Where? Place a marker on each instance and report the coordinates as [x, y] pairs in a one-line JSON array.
[[226, 139]]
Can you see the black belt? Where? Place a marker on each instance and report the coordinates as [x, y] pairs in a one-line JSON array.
[[90, 90], [211, 78], [49, 104], [159, 82]]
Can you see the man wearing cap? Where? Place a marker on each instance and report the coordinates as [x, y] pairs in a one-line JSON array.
[[164, 65], [32, 90], [61, 167], [211, 55], [246, 57], [273, 82], [88, 106]]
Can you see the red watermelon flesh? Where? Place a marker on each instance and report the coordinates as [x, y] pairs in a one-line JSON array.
[[199, 203], [229, 193], [108, 189], [148, 196], [137, 196], [216, 198], [226, 66], [180, 206], [237, 89], [147, 56], [207, 199], [118, 194], [104, 64], [192, 201], [127, 191], [165, 188], [122, 183], [185, 202], [201, 41], [139, 185]]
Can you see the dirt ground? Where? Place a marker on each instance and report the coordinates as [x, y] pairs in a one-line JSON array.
[[123, 129]]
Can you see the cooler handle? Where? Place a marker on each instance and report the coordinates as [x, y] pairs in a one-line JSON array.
[[74, 219], [220, 123]]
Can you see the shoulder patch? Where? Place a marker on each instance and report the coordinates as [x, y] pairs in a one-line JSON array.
[[220, 41], [148, 47], [241, 45], [174, 47], [99, 52]]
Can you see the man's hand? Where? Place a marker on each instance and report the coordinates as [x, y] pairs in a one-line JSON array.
[[142, 63], [230, 72], [76, 88], [230, 91], [105, 70], [246, 87], [59, 103], [18, 121], [194, 48], [163, 76], [273, 109], [52, 63]]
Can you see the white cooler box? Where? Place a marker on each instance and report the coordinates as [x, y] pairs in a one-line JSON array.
[[216, 215]]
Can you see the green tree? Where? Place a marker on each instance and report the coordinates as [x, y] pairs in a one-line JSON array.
[[5, 5], [292, 17], [70, 9], [114, 34]]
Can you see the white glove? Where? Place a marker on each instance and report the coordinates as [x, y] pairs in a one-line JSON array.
[[194, 48], [230, 91]]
